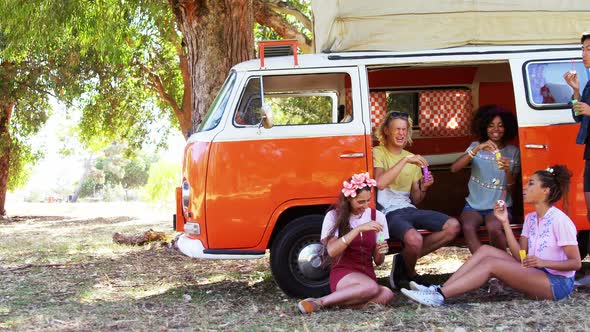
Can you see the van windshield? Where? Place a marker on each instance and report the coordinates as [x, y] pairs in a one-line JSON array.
[[216, 109]]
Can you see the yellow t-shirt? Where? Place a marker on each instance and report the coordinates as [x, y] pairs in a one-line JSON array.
[[411, 173]]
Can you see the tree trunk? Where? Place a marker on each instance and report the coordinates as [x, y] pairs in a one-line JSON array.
[[5, 145], [87, 166], [217, 34]]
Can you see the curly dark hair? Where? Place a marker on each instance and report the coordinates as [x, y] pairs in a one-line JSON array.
[[486, 114], [557, 178]]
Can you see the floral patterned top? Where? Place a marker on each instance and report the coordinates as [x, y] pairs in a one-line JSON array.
[[547, 237]]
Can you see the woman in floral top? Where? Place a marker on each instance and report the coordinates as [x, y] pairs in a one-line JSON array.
[[354, 236], [548, 240]]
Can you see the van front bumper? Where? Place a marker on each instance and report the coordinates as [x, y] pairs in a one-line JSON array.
[[194, 248]]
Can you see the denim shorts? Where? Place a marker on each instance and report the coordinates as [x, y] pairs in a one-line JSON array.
[[402, 220], [561, 286], [484, 213]]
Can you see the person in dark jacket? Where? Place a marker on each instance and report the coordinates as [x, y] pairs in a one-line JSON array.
[[581, 112]]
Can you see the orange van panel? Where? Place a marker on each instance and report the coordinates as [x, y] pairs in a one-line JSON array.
[[248, 180], [195, 171], [560, 141]]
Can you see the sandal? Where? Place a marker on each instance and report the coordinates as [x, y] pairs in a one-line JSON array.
[[308, 306]]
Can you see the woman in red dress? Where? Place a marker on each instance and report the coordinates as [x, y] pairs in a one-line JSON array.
[[350, 232]]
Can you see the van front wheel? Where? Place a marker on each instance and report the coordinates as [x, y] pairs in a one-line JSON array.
[[295, 259]]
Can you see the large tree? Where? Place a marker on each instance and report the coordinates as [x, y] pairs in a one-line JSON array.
[[125, 64], [219, 34]]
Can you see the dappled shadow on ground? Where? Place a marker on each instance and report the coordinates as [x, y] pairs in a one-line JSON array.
[[103, 286]]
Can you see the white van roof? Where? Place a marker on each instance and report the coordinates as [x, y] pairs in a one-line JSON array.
[[400, 25], [475, 53]]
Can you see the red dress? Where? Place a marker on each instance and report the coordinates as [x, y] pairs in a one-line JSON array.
[[357, 257]]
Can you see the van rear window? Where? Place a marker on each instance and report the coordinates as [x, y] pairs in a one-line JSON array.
[[440, 112], [545, 86]]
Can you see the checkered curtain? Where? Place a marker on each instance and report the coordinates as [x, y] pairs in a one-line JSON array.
[[378, 102], [445, 113]]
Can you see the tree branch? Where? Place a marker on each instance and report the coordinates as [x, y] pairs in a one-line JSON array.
[[287, 8], [265, 15], [156, 83]]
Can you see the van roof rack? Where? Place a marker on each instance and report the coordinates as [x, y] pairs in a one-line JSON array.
[[272, 48]]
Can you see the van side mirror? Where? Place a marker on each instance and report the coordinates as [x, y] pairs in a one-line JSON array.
[[267, 117]]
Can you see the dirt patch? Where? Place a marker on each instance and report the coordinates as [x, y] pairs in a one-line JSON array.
[[65, 273]]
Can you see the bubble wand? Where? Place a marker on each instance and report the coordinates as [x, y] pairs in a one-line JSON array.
[[573, 72]]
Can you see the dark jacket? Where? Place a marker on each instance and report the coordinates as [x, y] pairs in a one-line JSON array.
[[583, 132]]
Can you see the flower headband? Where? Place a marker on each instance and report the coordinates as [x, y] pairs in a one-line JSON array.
[[358, 181]]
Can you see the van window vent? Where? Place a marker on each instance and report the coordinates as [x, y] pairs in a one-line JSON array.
[[272, 48]]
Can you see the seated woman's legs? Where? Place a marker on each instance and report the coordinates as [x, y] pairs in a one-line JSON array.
[[472, 262], [354, 288], [532, 282], [385, 296], [496, 232], [470, 222]]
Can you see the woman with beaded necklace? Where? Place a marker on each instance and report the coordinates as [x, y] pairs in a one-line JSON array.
[[494, 167]]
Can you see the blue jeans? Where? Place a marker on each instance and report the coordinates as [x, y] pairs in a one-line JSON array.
[[561, 286], [484, 213]]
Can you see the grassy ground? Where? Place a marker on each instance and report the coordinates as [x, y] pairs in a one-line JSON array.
[[59, 270]]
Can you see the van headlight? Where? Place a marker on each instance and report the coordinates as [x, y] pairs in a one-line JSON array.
[[185, 194], [192, 228]]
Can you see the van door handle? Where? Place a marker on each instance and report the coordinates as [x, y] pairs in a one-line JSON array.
[[352, 155], [535, 146]]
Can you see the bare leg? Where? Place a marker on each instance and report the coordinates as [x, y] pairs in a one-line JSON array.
[[496, 232], [473, 262], [412, 250], [385, 296], [530, 281], [354, 288], [470, 221], [436, 240], [416, 246]]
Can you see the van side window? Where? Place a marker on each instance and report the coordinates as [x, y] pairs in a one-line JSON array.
[[296, 100], [545, 86], [249, 109]]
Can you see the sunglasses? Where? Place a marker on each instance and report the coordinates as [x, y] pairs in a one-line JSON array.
[[394, 115]]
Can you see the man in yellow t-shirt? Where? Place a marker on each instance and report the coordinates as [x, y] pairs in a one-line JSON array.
[[401, 185]]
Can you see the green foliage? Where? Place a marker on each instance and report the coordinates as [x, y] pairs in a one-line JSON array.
[[301, 109], [164, 176], [88, 187], [113, 172], [99, 56]]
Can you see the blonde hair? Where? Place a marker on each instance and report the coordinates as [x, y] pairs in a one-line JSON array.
[[380, 133]]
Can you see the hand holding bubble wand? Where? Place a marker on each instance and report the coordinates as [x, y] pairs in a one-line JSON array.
[[381, 239], [522, 253], [573, 72]]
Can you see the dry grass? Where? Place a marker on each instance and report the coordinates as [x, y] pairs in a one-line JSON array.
[[63, 272]]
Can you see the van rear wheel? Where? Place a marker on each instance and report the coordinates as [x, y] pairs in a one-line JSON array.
[[583, 242], [295, 259]]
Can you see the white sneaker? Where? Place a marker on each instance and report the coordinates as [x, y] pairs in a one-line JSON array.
[[416, 286], [428, 298]]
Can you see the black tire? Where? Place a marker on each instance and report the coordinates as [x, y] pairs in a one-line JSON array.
[[583, 241], [301, 233]]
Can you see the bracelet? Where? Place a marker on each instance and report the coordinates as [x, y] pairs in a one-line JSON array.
[[471, 153], [343, 240]]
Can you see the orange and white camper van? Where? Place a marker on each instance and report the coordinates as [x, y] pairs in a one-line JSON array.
[[249, 185]]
